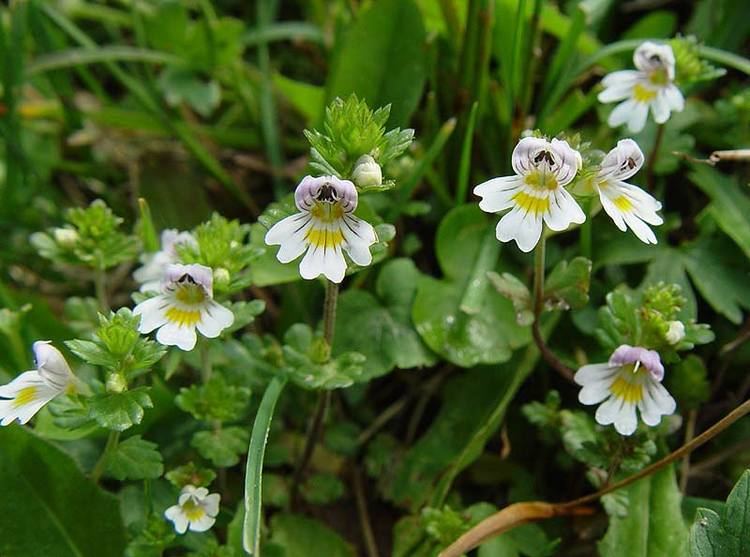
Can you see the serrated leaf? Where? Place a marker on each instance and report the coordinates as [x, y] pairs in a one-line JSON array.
[[135, 459], [214, 400], [120, 411], [222, 447], [567, 286]]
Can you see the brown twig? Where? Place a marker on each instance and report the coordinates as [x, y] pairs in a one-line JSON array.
[[549, 356], [521, 513]]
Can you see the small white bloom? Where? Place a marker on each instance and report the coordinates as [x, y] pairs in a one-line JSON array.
[[150, 275], [26, 394], [536, 193], [628, 206], [367, 172], [185, 304], [631, 379], [675, 333], [651, 86], [324, 229], [195, 509]]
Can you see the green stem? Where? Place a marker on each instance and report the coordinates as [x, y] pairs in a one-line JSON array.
[[112, 440], [100, 285], [539, 255], [254, 471], [206, 367], [650, 178], [585, 238], [329, 312]]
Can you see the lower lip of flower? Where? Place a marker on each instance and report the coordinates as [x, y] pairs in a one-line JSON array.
[[25, 396], [643, 94]]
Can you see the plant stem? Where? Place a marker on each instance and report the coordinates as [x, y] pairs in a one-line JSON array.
[[254, 470], [313, 433], [364, 515], [206, 367], [585, 238], [100, 286], [98, 470], [653, 156], [329, 311], [536, 332]]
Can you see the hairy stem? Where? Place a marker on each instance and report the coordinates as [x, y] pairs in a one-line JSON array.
[[98, 470], [100, 286], [329, 311]]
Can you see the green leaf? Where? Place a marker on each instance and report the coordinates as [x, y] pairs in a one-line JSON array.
[[190, 474], [458, 317], [391, 340], [135, 459], [383, 59], [298, 536], [49, 507], [653, 525], [322, 489], [182, 85], [719, 274], [729, 205], [214, 400], [222, 447], [119, 411], [517, 292], [726, 535], [568, 284]]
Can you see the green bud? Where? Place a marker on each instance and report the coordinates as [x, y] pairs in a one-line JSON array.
[[320, 350], [367, 172], [66, 237], [116, 383], [221, 278], [689, 66]]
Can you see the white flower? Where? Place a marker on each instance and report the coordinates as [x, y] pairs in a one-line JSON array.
[[195, 509], [675, 333], [66, 237], [185, 304], [324, 228], [535, 193], [632, 378], [26, 394], [150, 275], [367, 172], [628, 206], [650, 86]]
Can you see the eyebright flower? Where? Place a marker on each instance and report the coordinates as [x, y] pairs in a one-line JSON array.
[[26, 394], [536, 193], [185, 304], [650, 86], [627, 205], [632, 378], [323, 228], [150, 275], [195, 509]]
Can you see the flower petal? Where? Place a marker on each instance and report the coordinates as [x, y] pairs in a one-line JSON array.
[[621, 113], [177, 516], [497, 194], [211, 504], [172, 334], [152, 312], [214, 319], [637, 119], [202, 524], [359, 235], [626, 420]]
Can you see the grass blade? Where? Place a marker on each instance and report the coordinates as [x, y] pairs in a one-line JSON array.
[[84, 56], [254, 471], [465, 163]]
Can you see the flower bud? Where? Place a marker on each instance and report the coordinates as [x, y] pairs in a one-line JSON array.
[[66, 237], [367, 172], [116, 383], [675, 333], [221, 277]]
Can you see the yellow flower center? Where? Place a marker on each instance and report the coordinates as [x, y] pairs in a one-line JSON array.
[[540, 180], [629, 385], [25, 396], [643, 94], [190, 294], [183, 317], [659, 77], [531, 203], [623, 203], [193, 511], [324, 238], [327, 212]]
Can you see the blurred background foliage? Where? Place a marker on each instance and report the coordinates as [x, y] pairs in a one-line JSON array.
[[199, 106]]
